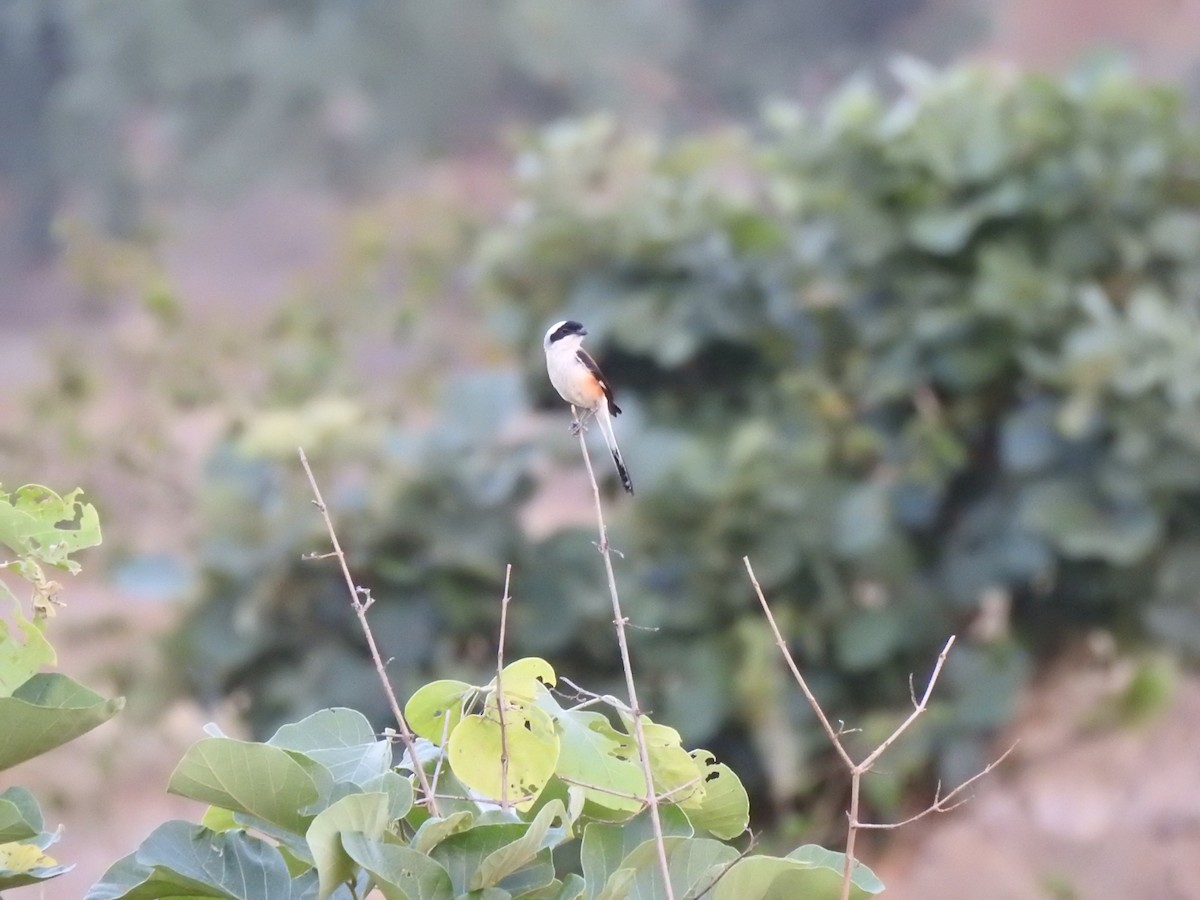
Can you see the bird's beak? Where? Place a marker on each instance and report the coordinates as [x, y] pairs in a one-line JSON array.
[[582, 331]]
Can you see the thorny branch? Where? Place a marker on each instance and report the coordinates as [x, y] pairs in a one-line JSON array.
[[619, 620], [361, 600], [857, 770], [500, 690]]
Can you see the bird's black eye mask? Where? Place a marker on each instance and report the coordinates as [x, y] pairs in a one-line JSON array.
[[566, 328]]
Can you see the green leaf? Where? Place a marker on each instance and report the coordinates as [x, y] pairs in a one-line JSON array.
[[692, 863], [36, 521], [809, 871], [463, 856], [399, 792], [570, 888], [342, 741], [217, 818], [22, 658], [435, 710], [605, 847], [400, 873], [723, 810], [478, 743], [48, 710], [26, 864], [365, 814], [523, 679], [674, 770], [501, 863], [180, 859], [257, 779], [20, 817], [433, 831], [592, 752]]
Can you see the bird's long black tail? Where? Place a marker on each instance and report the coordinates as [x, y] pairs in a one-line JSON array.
[[610, 439]]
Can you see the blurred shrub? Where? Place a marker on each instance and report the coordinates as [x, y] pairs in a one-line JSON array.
[[930, 362], [206, 98]]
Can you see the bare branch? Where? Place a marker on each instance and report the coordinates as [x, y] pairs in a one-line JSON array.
[[942, 804], [594, 697], [857, 770], [500, 690], [918, 708], [619, 620], [834, 735], [662, 798], [437, 767], [360, 609]]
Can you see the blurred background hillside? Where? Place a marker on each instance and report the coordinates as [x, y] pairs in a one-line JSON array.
[[921, 338]]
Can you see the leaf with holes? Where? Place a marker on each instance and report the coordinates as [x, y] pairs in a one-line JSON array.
[[478, 744], [723, 810]]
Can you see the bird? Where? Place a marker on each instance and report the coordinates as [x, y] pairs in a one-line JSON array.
[[580, 382]]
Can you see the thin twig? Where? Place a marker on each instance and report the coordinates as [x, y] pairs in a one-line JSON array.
[[437, 766], [360, 609], [939, 804], [851, 830], [834, 734], [594, 697], [662, 798], [725, 869], [500, 690], [918, 708], [619, 620], [857, 770]]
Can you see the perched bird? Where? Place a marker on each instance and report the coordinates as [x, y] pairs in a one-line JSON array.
[[580, 382]]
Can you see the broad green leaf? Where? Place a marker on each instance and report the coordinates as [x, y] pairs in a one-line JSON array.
[[180, 859], [524, 678], [24, 651], [463, 854], [478, 743], [435, 709], [433, 831], [508, 859], [399, 793], [48, 710], [400, 873], [293, 843], [257, 779], [217, 818], [809, 871], [570, 888], [675, 772], [34, 520], [342, 741], [592, 752], [365, 814], [723, 810], [25, 864], [20, 817], [605, 847], [693, 864], [818, 857]]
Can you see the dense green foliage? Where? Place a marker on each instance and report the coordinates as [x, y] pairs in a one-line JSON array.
[[319, 811], [39, 710], [929, 361]]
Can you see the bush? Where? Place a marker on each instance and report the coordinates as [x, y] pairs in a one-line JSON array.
[[929, 361], [41, 710]]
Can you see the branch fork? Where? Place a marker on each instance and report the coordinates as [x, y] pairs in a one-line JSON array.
[[858, 769]]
